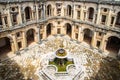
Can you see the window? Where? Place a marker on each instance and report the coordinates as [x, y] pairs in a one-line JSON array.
[[78, 14], [77, 27], [105, 9], [76, 35], [41, 36], [18, 34], [5, 20], [19, 45], [103, 19], [98, 44], [112, 20], [58, 31], [100, 34]]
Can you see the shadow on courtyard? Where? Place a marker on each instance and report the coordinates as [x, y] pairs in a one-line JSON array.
[[109, 70], [10, 70]]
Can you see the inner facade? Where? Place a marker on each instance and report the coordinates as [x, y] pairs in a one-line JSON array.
[[26, 24]]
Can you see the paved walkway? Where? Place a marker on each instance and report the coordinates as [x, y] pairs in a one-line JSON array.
[[30, 61]]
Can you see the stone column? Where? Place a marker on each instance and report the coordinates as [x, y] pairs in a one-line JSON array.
[[98, 17], [109, 18], [44, 32], [65, 12], [118, 54], [38, 35], [93, 42], [32, 16], [62, 11], [37, 17], [102, 43], [73, 35], [74, 13], [20, 16], [86, 16], [3, 22], [114, 21], [12, 46], [80, 35], [44, 12], [94, 17], [24, 40], [9, 18], [81, 13], [24, 17], [15, 42]]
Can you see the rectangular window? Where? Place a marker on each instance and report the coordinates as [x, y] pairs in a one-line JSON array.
[[18, 34], [78, 14], [5, 18], [19, 45], [98, 44], [76, 35], [112, 20], [58, 31], [41, 36], [103, 19]]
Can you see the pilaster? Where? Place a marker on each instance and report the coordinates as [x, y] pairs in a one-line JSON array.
[[24, 40], [93, 42]]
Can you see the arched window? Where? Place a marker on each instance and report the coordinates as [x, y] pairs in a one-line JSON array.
[[113, 45], [49, 29], [68, 29], [69, 10], [118, 20], [49, 10], [28, 13], [90, 13], [30, 36], [88, 36], [5, 45]]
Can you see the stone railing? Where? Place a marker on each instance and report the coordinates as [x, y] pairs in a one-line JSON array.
[[104, 27]]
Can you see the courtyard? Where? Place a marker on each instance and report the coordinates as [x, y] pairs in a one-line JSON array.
[[30, 63]]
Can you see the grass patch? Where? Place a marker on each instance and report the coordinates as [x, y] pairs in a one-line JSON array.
[[61, 68]]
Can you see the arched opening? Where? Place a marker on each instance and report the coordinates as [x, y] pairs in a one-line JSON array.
[[5, 46], [49, 8], [88, 36], [28, 13], [69, 10], [30, 36], [49, 29], [90, 13], [113, 45], [68, 29], [118, 20]]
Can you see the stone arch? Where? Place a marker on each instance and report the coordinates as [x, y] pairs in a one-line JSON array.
[[69, 10], [90, 13], [49, 10], [28, 13], [68, 27], [5, 45], [30, 35], [118, 20], [49, 29], [113, 45], [87, 35]]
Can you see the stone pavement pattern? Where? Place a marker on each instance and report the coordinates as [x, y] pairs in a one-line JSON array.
[[27, 65]]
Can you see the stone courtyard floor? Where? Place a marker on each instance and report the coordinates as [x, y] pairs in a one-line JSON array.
[[27, 64]]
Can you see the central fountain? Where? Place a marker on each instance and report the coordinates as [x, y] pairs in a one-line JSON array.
[[61, 61], [61, 64]]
